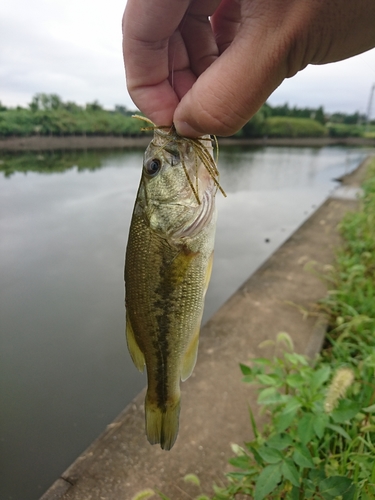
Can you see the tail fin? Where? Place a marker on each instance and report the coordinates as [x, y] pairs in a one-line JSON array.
[[162, 425]]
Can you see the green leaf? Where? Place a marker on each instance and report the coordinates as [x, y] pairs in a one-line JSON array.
[[302, 457], [246, 370], [144, 494], [267, 481], [241, 462], [270, 455], [345, 411], [350, 493], [253, 423], [262, 361], [237, 450], [317, 475], [290, 472], [239, 476], [248, 379], [319, 377], [193, 479], [288, 414], [294, 494], [334, 486], [320, 423], [339, 430], [309, 488], [284, 420], [272, 380], [255, 453], [269, 396], [296, 359], [295, 380], [292, 405], [306, 428], [161, 495], [280, 441], [369, 409]]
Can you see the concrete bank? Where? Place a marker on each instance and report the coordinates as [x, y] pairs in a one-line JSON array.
[[45, 143], [214, 412]]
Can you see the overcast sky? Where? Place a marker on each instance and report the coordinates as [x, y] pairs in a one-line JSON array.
[[73, 48]]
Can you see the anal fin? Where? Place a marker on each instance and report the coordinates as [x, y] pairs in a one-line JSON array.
[[135, 352]]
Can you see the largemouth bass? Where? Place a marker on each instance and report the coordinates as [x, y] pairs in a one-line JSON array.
[[167, 270]]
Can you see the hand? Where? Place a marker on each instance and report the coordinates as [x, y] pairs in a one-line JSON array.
[[208, 65]]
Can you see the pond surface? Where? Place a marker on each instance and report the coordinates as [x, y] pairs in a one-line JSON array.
[[65, 369]]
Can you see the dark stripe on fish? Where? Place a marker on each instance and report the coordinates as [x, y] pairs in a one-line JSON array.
[[170, 275], [160, 344]]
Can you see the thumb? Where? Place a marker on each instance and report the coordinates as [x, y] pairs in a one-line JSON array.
[[233, 88]]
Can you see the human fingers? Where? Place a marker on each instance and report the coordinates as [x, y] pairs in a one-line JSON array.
[[147, 28], [237, 83], [198, 35], [275, 40], [226, 22]]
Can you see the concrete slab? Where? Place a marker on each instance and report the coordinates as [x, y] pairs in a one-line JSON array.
[[215, 402], [347, 193]]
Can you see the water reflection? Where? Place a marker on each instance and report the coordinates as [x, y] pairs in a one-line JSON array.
[[60, 161], [65, 370]]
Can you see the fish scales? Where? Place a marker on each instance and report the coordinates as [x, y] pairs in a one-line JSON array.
[[167, 270]]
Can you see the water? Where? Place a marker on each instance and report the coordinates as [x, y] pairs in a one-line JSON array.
[[65, 370]]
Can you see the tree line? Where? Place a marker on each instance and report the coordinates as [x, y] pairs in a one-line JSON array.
[[49, 115]]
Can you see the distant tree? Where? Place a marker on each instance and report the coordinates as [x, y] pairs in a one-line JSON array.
[[121, 109], [319, 115], [295, 112], [94, 106], [45, 102], [2, 107], [71, 106], [337, 117], [34, 104], [281, 110], [354, 119], [54, 101], [255, 127]]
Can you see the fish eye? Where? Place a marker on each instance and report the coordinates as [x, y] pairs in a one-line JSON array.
[[152, 166]]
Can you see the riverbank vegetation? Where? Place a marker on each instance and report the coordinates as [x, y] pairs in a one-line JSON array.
[[320, 439], [49, 115]]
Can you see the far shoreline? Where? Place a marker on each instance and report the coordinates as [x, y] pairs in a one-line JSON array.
[[45, 143]]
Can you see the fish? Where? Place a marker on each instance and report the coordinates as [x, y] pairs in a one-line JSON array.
[[168, 266]]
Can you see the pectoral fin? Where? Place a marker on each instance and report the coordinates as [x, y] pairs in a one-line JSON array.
[[208, 273], [190, 357], [135, 352], [191, 353]]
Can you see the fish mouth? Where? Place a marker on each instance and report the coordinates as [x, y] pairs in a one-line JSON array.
[[204, 216]]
